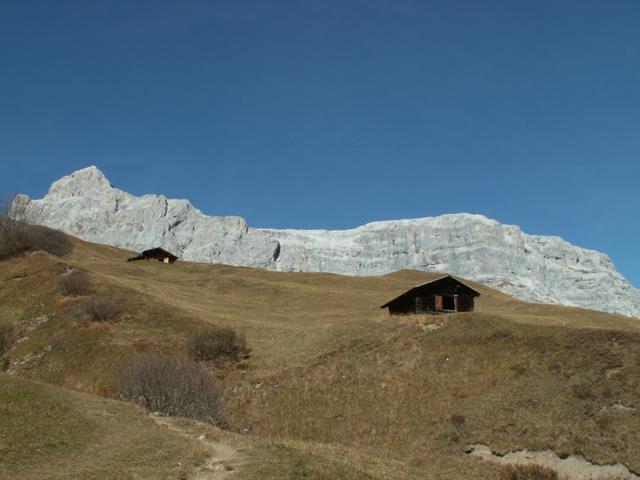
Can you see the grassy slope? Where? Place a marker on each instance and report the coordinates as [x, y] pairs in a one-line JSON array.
[[49, 432], [420, 397], [331, 370]]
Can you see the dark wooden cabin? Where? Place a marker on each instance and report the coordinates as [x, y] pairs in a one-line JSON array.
[[442, 295], [158, 254]]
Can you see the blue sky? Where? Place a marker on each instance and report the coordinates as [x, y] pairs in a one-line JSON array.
[[330, 114]]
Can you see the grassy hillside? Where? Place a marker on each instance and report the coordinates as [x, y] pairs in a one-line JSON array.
[[338, 384], [49, 432], [421, 397]]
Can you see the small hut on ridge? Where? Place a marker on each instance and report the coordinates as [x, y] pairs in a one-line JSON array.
[[442, 295], [158, 254]]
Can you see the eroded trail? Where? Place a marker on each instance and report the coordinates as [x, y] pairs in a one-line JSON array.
[[223, 459], [573, 467]]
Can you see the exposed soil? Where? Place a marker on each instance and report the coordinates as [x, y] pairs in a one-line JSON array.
[[574, 467], [222, 462]]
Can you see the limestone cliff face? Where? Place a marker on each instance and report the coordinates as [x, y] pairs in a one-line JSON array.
[[85, 204], [537, 268]]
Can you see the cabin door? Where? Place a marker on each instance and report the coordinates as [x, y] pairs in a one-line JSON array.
[[438, 303], [449, 303]]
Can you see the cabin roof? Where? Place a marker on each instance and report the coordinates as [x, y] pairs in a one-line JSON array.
[[151, 251], [474, 292]]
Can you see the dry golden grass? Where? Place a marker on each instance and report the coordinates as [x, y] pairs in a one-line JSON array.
[[336, 386], [412, 395], [51, 433]]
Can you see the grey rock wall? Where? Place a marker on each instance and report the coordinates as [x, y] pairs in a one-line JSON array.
[[530, 267]]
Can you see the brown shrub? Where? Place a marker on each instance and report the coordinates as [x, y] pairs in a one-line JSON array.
[[52, 241], [584, 391], [76, 282], [457, 420], [216, 344], [7, 336], [99, 309], [18, 237], [529, 472], [168, 385]]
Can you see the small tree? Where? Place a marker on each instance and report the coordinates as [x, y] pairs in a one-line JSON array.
[[6, 201]]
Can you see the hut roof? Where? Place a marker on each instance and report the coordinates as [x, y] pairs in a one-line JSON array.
[[153, 251], [473, 292]]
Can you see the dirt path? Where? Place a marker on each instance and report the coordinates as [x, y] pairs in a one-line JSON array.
[[223, 460]]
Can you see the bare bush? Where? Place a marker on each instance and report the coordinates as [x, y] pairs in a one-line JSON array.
[[529, 472], [6, 201], [75, 283], [7, 336], [37, 237], [10, 238], [215, 344], [17, 237], [168, 385], [99, 309]]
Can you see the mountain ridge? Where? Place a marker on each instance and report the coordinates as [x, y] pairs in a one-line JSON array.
[[545, 269]]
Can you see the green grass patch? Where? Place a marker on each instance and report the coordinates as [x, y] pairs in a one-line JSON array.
[[33, 421], [50, 433]]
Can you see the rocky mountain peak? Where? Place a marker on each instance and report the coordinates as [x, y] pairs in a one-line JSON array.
[[536, 268], [87, 181]]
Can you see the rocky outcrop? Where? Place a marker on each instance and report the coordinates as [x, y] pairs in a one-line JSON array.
[[537, 268], [86, 205]]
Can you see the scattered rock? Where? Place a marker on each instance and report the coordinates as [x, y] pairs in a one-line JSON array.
[[618, 407], [28, 359], [431, 326], [42, 319], [16, 275], [443, 361]]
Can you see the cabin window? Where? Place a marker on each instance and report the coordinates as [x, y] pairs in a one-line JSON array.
[[448, 303]]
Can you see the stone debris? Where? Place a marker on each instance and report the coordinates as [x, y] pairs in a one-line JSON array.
[[37, 322], [618, 407], [28, 359]]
